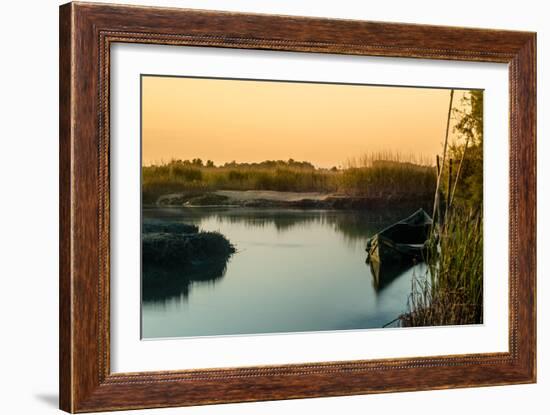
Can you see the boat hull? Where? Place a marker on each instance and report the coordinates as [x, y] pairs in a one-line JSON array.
[[382, 249]]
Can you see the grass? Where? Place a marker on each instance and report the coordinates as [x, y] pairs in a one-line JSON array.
[[388, 173], [451, 293], [381, 174]]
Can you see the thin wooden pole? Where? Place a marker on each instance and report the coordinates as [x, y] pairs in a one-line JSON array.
[[459, 168], [449, 182], [436, 198]]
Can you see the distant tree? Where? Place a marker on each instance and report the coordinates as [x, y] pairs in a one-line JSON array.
[[209, 163], [467, 152], [197, 162]]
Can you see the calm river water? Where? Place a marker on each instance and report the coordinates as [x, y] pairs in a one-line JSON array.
[[294, 271]]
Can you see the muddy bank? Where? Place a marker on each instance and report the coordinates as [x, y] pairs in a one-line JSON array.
[[151, 227], [299, 200]]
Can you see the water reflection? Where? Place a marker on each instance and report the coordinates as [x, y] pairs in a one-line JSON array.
[[294, 270], [383, 274], [161, 283], [352, 225]]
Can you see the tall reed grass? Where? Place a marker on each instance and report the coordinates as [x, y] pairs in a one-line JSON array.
[[451, 293], [389, 173]]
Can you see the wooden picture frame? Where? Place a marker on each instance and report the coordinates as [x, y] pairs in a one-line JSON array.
[[86, 33]]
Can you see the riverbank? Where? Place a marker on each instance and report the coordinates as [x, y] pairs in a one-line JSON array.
[[279, 199], [369, 176]]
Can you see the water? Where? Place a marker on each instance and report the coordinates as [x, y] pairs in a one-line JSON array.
[[294, 271]]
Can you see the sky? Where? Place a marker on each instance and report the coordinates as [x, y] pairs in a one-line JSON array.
[[252, 121]]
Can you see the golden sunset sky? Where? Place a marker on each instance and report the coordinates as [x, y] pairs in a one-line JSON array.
[[253, 121]]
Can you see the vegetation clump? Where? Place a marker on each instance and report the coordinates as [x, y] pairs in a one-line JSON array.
[[176, 254], [175, 248]]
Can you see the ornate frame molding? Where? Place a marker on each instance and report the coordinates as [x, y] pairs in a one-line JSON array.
[[86, 33]]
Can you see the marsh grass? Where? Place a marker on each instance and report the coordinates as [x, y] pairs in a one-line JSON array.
[[451, 293], [380, 174], [389, 173]]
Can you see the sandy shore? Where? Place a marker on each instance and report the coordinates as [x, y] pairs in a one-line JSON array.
[[241, 197], [272, 195]]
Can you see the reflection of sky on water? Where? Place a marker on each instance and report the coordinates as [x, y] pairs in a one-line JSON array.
[[294, 270]]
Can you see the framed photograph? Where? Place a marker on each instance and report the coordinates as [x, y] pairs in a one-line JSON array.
[[259, 207]]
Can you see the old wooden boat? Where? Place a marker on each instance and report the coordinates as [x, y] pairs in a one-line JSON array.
[[403, 242]]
